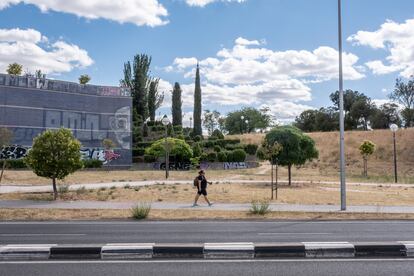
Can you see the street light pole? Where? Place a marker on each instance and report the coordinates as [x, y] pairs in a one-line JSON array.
[[341, 113], [165, 121], [394, 129]]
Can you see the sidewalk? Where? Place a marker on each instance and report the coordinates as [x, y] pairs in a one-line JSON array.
[[182, 206], [48, 188]]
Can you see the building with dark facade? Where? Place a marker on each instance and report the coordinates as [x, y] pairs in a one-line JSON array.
[[29, 106]]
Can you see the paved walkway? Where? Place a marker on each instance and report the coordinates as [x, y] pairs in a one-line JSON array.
[[48, 188], [183, 206]]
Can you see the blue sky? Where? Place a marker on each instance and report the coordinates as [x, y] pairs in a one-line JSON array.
[[279, 53]]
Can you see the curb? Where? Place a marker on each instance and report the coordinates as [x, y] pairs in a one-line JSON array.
[[243, 250]]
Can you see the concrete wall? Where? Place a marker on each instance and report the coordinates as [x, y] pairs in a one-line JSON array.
[[29, 106]]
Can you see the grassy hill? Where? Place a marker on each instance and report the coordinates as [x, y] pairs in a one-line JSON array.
[[380, 164]]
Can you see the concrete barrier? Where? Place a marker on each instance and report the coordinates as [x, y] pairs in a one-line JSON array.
[[127, 251], [189, 250], [76, 252], [279, 250], [329, 250], [229, 250], [25, 252], [381, 249]]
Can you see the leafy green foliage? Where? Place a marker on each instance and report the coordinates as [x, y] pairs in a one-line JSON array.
[[260, 208], [177, 114], [14, 69], [155, 99], [217, 134], [92, 164], [211, 120], [239, 155], [13, 164], [297, 147], [217, 148], [212, 157], [84, 79], [385, 115], [366, 148], [55, 155], [404, 94], [179, 148], [251, 149], [141, 210], [234, 123], [197, 150], [197, 105], [222, 156]]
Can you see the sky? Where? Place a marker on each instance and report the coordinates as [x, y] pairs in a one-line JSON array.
[[276, 53]]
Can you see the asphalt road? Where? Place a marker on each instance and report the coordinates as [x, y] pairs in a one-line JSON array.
[[329, 267], [203, 231]]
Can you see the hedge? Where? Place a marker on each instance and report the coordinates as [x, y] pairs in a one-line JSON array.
[[251, 148], [217, 148], [138, 152], [234, 146], [212, 157], [239, 155], [92, 163], [144, 144], [14, 164], [222, 156]]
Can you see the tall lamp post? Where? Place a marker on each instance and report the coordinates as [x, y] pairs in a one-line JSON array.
[[394, 128], [341, 113], [247, 126], [165, 121], [241, 124]]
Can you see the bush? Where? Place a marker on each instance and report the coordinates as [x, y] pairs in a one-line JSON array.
[[157, 128], [14, 164], [197, 150], [217, 134], [239, 155], [212, 157], [198, 138], [232, 141], [149, 158], [260, 208], [141, 210], [145, 130], [209, 143], [144, 144], [138, 151], [234, 146], [217, 148], [178, 129], [222, 156], [92, 163], [230, 156], [180, 136], [251, 149], [204, 157], [178, 148]]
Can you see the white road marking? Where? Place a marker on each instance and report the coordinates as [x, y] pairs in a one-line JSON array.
[[291, 234], [207, 261], [23, 235]]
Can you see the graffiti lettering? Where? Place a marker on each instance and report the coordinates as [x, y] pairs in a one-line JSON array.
[[178, 166], [106, 156], [234, 165], [13, 152]]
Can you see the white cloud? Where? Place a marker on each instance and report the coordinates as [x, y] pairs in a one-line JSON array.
[[250, 74], [33, 50], [397, 39], [202, 3], [139, 12]]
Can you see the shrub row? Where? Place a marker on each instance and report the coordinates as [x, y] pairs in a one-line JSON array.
[[92, 163], [220, 142], [237, 155], [14, 164]]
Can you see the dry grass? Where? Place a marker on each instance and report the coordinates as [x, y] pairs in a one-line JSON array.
[[73, 214], [237, 193], [380, 164]]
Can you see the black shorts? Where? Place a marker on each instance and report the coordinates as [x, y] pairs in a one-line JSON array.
[[202, 192]]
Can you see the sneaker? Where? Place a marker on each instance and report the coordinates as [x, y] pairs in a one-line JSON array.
[[195, 205], [210, 204]]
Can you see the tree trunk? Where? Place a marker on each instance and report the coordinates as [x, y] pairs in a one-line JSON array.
[[2, 170], [55, 193], [290, 174]]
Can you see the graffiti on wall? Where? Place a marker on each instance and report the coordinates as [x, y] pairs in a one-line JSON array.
[[13, 152], [89, 126], [178, 166], [63, 86], [105, 156], [234, 165], [18, 152]]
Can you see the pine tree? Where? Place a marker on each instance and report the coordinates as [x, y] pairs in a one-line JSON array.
[[177, 117], [155, 99], [197, 104]]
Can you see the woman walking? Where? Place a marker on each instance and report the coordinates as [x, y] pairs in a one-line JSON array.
[[202, 188]]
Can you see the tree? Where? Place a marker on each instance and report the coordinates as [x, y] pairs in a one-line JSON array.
[[155, 99], [39, 74], [297, 147], [177, 114], [361, 111], [404, 94], [6, 137], [84, 79], [177, 147], [384, 116], [55, 154], [270, 152], [14, 69], [235, 122], [197, 130], [366, 149], [306, 121], [211, 120], [136, 77]]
